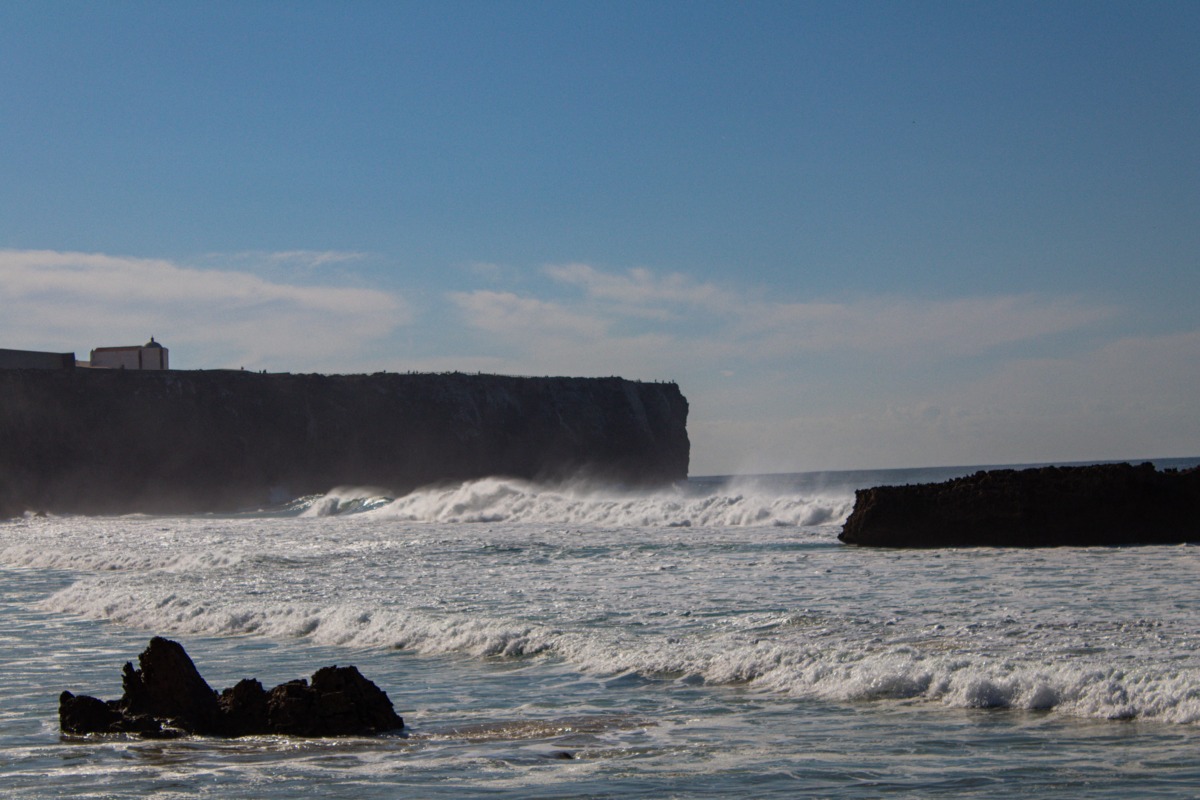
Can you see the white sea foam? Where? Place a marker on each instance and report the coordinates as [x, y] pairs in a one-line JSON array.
[[101, 545], [505, 500], [733, 587], [849, 671]]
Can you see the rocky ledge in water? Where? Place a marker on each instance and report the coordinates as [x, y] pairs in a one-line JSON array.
[[167, 697], [1101, 505]]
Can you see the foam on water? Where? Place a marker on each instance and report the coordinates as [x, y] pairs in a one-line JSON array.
[[712, 642], [509, 500], [837, 665], [618, 585]]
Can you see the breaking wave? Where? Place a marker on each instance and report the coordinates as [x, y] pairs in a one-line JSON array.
[[776, 656], [507, 500], [724, 584]]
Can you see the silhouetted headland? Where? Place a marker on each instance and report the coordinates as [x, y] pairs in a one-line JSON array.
[[122, 441]]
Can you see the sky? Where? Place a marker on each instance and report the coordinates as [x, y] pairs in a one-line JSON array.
[[856, 234]]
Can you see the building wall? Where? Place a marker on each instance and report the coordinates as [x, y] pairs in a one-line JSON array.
[[33, 359], [116, 357], [154, 358], [130, 357]]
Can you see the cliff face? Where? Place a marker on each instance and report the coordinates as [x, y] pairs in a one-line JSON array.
[[111, 441], [1106, 504]]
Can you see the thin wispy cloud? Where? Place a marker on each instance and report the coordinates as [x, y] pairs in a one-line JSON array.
[[221, 317], [487, 271], [846, 383], [711, 321], [314, 259], [643, 289], [916, 328], [527, 319], [285, 265]]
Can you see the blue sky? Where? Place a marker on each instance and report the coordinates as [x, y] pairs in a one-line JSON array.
[[857, 234]]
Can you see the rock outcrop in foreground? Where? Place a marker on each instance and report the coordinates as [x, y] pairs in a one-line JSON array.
[[168, 698], [1107, 504], [123, 441]]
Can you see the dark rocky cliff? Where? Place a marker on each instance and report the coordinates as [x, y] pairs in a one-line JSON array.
[[1104, 504], [110, 441]]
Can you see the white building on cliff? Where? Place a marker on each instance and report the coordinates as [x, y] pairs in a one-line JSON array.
[[150, 355]]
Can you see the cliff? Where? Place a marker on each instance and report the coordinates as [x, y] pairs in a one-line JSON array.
[[1107, 504], [120, 441]]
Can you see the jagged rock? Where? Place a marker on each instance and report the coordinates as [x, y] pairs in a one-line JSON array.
[[1105, 505], [339, 701], [292, 706], [168, 686], [81, 714], [167, 697], [85, 714], [244, 707], [346, 701], [169, 441]]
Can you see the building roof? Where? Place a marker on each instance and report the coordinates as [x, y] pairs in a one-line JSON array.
[[150, 343]]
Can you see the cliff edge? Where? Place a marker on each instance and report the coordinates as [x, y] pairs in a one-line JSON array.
[[121, 441], [1101, 505]]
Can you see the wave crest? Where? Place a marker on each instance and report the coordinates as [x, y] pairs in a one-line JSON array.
[[847, 669], [510, 500]]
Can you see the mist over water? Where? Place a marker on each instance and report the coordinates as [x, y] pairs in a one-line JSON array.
[[685, 629]]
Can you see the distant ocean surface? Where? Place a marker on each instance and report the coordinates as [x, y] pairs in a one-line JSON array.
[[711, 640]]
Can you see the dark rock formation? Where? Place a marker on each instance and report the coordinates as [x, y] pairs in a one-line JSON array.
[[1107, 504], [167, 697], [339, 702], [245, 706], [84, 714], [120, 441], [168, 686]]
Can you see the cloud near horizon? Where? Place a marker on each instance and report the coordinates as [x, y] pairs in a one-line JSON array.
[[1129, 398], [714, 322], [778, 385], [222, 317]]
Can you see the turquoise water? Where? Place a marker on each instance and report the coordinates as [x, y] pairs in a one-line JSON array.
[[710, 641]]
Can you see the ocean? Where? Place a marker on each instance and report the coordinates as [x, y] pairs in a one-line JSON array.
[[713, 639]]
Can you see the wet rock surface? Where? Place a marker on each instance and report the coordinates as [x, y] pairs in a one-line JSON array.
[[1100, 505], [167, 697]]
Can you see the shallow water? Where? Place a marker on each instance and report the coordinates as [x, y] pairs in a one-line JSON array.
[[710, 641]]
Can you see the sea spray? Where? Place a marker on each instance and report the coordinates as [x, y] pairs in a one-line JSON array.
[[510, 500]]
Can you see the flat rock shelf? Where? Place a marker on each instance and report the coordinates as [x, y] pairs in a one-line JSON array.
[[1098, 505]]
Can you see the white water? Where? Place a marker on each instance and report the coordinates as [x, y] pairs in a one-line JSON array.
[[506, 500], [741, 589]]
